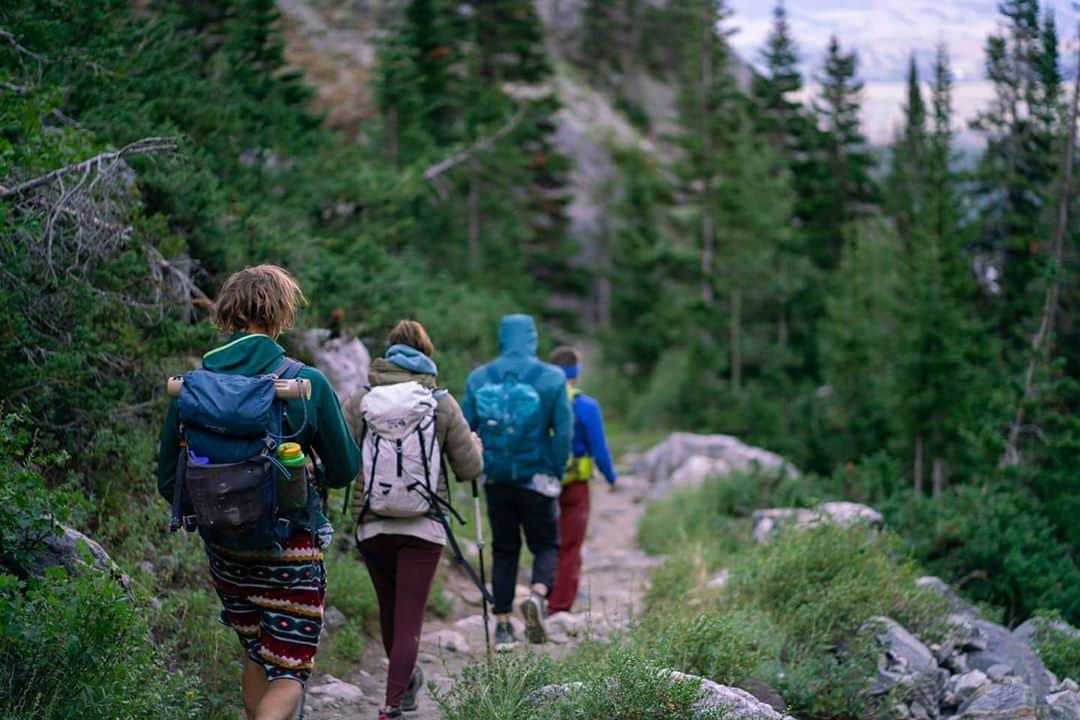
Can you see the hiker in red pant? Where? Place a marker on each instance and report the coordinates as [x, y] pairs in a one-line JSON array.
[[589, 450]]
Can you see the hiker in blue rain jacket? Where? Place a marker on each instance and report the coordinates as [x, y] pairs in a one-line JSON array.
[[519, 407]]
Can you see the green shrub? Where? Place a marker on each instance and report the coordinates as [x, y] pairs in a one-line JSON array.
[[1059, 649], [76, 647], [997, 541], [718, 513], [497, 690], [621, 683], [823, 584], [725, 644]]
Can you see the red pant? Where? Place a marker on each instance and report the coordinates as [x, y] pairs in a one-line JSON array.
[[573, 521], [402, 568]]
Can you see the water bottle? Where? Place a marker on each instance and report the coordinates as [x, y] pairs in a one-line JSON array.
[[292, 491]]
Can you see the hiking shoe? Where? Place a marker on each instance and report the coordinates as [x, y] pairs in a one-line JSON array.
[[504, 637], [388, 714], [416, 681], [533, 612]]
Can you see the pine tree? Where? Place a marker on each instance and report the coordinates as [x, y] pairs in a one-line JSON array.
[[779, 115], [1017, 171], [936, 384], [841, 159], [904, 199]]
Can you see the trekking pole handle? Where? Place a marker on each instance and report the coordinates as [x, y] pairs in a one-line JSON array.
[[295, 389]]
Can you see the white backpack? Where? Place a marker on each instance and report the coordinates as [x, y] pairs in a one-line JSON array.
[[399, 451]]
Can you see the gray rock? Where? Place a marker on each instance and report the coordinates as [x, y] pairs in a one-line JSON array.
[[65, 550], [661, 462], [1002, 648], [332, 617], [766, 694], [998, 672], [1005, 701], [336, 692], [766, 523], [964, 633], [906, 666], [1063, 705], [719, 581], [697, 469], [344, 360], [731, 702], [961, 688], [939, 586], [1027, 630], [449, 640]]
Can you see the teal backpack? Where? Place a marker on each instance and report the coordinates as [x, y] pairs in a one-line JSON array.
[[510, 424]]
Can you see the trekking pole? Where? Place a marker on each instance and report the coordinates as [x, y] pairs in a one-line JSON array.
[[480, 553]]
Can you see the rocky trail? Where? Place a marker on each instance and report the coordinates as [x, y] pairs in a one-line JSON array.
[[614, 578]]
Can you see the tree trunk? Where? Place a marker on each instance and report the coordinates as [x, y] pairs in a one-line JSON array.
[[708, 221], [474, 224], [939, 476], [917, 470], [735, 338]]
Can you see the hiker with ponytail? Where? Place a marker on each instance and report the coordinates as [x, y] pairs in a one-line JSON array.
[[405, 424]]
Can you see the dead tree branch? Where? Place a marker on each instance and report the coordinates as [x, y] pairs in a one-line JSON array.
[[97, 163], [433, 173]]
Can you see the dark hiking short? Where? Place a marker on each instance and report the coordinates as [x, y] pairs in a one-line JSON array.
[[274, 603]]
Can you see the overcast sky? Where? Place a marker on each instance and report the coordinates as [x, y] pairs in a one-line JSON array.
[[885, 33]]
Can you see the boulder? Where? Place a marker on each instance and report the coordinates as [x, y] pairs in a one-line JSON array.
[[766, 523], [906, 665], [75, 552], [693, 473], [1027, 630], [1003, 648], [662, 461], [344, 360], [960, 688], [1001, 701], [1063, 705], [939, 586]]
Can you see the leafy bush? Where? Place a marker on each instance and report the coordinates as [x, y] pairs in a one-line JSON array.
[[76, 647]]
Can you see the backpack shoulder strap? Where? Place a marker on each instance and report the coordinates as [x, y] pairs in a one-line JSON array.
[[288, 369], [533, 374]]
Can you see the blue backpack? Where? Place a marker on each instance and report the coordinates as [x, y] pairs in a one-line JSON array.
[[227, 472], [510, 424]]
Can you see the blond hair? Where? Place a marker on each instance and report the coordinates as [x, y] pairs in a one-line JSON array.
[[264, 297], [413, 334]]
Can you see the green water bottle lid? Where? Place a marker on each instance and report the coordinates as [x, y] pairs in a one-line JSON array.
[[291, 454]]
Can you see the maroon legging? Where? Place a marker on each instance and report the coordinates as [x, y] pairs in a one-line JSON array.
[[402, 568]]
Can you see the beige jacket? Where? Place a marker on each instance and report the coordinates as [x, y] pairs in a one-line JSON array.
[[455, 440]]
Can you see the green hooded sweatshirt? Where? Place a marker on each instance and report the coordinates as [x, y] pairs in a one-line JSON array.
[[324, 430]]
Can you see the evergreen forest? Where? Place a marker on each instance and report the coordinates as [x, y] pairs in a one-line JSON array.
[[900, 323]]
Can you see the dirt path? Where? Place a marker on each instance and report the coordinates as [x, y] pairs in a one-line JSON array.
[[614, 577]]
